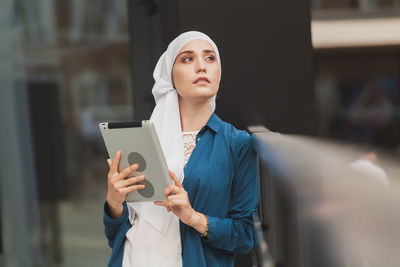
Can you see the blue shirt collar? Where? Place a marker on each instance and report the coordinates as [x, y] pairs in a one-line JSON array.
[[214, 122]]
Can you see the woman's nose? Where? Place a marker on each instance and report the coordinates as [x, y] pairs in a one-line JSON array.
[[201, 66]]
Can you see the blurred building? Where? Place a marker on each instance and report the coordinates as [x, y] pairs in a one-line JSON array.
[[64, 68], [357, 70]]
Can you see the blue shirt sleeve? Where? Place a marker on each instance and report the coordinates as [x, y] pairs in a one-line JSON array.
[[236, 232], [112, 226]]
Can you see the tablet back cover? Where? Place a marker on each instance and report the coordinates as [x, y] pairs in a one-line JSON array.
[[139, 145]]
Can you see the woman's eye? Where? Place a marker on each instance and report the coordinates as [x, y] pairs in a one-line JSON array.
[[186, 59], [210, 58]]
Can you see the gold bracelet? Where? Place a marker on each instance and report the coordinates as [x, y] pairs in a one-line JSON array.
[[205, 235]]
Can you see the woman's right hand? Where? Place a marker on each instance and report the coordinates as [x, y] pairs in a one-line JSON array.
[[119, 187]]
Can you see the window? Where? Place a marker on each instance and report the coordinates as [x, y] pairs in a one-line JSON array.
[[65, 68]]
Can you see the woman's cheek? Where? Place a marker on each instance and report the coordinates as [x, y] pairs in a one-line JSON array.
[[183, 76], [178, 76]]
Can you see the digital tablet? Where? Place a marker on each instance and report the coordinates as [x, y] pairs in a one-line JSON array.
[[139, 143]]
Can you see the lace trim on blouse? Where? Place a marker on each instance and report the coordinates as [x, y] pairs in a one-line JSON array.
[[189, 143]]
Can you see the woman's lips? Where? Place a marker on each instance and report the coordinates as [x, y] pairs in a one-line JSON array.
[[202, 79]]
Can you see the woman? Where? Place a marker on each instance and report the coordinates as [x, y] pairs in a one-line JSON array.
[[207, 217]]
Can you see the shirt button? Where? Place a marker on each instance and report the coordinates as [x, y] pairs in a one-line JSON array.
[[198, 139], [185, 166]]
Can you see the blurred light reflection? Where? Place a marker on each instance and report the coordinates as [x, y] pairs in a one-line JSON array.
[[341, 215]]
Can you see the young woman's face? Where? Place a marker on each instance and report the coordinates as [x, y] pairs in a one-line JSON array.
[[196, 71]]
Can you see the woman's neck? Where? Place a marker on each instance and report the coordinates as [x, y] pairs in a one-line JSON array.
[[194, 115]]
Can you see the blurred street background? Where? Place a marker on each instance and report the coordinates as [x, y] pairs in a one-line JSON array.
[[322, 68]]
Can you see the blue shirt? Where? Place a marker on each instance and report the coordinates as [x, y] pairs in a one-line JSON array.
[[221, 182]]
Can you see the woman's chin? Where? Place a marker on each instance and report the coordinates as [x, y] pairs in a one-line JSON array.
[[198, 98], [204, 96], [204, 92]]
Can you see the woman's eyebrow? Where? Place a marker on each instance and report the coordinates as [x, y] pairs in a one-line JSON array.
[[185, 52], [206, 51]]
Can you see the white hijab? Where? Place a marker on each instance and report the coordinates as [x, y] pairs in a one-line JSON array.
[[167, 122]]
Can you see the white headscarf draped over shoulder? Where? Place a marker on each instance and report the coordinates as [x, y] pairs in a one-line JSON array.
[[166, 118]]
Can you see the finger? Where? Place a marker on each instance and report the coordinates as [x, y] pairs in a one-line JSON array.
[[172, 189], [115, 162], [131, 188], [109, 163], [129, 181], [175, 197], [167, 190], [126, 172], [176, 190], [161, 203], [176, 180], [176, 203]]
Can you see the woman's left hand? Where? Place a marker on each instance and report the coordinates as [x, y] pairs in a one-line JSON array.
[[178, 201]]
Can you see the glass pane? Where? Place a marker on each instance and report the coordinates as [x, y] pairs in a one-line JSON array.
[[358, 104], [384, 3], [65, 68], [360, 5], [336, 4]]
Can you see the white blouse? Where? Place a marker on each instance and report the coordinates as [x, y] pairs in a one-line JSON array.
[[147, 247], [189, 143]]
